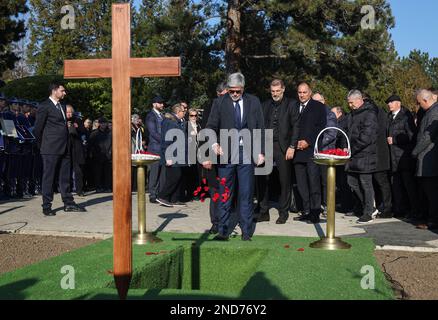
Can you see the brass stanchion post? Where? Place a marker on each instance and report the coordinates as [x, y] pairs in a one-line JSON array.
[[330, 242], [142, 237]]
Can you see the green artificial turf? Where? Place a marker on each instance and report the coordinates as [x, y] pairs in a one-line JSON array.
[[192, 266]]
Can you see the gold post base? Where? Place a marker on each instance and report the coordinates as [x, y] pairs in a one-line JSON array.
[[145, 238], [330, 244]]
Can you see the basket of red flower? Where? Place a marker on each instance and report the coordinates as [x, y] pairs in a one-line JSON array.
[[140, 154], [332, 153]]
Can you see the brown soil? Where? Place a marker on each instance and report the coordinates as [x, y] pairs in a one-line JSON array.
[[414, 276], [19, 250]]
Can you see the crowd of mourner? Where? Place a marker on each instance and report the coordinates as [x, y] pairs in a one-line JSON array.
[[392, 170]]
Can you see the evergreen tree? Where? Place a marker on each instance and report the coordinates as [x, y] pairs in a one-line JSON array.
[[12, 30]]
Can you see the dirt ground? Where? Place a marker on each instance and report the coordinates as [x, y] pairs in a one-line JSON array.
[[18, 250], [414, 276]]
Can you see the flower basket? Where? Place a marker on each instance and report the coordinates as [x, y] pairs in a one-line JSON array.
[[139, 154], [332, 153]]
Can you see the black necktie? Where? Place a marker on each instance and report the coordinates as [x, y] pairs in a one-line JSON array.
[[302, 107], [237, 115], [59, 107]]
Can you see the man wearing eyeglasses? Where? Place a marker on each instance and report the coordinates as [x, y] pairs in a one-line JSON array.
[[236, 110]]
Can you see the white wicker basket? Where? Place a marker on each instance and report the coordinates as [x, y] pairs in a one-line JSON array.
[[137, 155], [318, 155]]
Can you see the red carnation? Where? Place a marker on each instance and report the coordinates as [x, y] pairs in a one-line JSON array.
[[215, 197]]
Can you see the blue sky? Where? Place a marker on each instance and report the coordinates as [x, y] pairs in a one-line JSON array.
[[416, 26]]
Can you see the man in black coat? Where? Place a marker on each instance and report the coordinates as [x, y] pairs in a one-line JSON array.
[[312, 120], [51, 133], [362, 132], [101, 156], [77, 135], [241, 111], [401, 141], [381, 175], [426, 153], [281, 115]]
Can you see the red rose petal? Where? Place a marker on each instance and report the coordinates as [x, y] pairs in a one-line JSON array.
[[287, 246], [301, 249]]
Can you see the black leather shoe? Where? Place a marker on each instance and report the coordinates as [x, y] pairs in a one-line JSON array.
[[281, 220], [220, 238], [214, 229], [153, 200], [74, 208], [303, 217], [246, 238], [313, 220], [263, 217], [48, 212]]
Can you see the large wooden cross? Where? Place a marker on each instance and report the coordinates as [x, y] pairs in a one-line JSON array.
[[121, 68]]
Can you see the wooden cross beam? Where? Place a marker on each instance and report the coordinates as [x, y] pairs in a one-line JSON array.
[[121, 68]]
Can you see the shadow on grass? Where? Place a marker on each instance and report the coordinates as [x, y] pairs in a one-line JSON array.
[[260, 287], [15, 290]]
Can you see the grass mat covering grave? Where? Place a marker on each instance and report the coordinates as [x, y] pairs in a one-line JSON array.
[[192, 266]]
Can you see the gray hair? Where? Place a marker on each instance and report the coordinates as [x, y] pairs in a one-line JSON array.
[[221, 86], [236, 80], [177, 107], [134, 117], [424, 94], [355, 94]]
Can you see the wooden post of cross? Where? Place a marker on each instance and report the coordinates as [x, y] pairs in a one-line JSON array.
[[121, 67]]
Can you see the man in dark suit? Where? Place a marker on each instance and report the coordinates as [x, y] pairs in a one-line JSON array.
[[52, 136], [401, 137], [312, 120], [426, 153], [280, 115], [243, 112], [153, 123]]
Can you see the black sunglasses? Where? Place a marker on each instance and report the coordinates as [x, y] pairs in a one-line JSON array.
[[193, 115], [235, 91]]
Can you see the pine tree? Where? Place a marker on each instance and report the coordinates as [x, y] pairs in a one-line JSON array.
[[12, 29]]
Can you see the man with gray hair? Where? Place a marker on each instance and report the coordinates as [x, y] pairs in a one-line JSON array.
[[236, 110], [426, 152], [362, 132]]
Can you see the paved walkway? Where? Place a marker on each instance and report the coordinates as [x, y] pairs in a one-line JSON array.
[[26, 217]]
